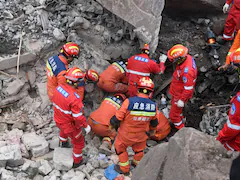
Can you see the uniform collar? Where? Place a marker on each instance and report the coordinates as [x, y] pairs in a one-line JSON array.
[[142, 95], [63, 59]]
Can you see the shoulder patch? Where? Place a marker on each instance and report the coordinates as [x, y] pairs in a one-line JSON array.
[[77, 96], [238, 98], [184, 79], [186, 70], [193, 63], [233, 109]]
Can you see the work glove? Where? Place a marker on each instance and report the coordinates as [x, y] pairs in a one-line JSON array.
[[114, 122], [225, 8], [180, 103], [86, 130], [162, 60], [223, 67]]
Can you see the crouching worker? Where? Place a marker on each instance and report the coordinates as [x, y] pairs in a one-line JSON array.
[[69, 116], [163, 128], [136, 118], [229, 136], [99, 120]]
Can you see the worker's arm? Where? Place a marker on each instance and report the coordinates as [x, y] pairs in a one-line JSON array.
[[78, 113], [230, 130], [234, 47], [154, 122], [189, 80], [155, 67], [229, 1], [121, 113]]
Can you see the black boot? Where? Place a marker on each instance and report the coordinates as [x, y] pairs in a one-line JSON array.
[[63, 144], [83, 162], [117, 169]]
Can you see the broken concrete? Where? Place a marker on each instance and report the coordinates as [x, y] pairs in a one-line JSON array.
[[145, 15], [11, 61], [11, 155], [37, 144], [14, 87], [62, 159]]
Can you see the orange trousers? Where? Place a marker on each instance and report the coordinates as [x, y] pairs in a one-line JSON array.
[[109, 86], [121, 145], [77, 140], [163, 128], [102, 130]]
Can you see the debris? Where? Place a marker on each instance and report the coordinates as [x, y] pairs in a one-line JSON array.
[[62, 158]]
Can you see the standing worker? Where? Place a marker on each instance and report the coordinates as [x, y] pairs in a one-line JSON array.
[[99, 120], [58, 65], [231, 21], [68, 114], [229, 136], [136, 119], [114, 79], [140, 66], [183, 82]]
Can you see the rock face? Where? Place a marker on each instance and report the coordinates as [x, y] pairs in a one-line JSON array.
[[189, 154], [144, 16], [194, 6]]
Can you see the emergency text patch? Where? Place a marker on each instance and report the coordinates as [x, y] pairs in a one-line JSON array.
[[186, 70], [62, 91], [76, 95], [184, 79], [193, 64], [141, 59], [233, 109]]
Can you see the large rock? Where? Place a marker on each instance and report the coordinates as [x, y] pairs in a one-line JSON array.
[[196, 7], [62, 158], [14, 87], [145, 16], [37, 144], [11, 155], [190, 154]]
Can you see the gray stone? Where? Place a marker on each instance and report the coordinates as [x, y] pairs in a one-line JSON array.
[[3, 127], [7, 175], [28, 9], [45, 168], [88, 168], [42, 90], [77, 22], [151, 143], [54, 143], [14, 87], [38, 177], [12, 155], [55, 173], [69, 175], [32, 77], [7, 14], [146, 14], [11, 61], [95, 163], [19, 125], [190, 154], [37, 144], [80, 175], [62, 158], [103, 164], [58, 34]]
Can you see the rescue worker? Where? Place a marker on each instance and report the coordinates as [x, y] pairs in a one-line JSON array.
[[136, 119], [58, 65], [232, 19], [229, 136], [234, 47], [140, 66], [99, 120], [114, 79], [183, 82], [69, 115], [163, 128]]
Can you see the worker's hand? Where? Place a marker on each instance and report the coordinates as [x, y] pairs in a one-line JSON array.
[[180, 103], [223, 67], [225, 8], [162, 60], [152, 132], [87, 130]]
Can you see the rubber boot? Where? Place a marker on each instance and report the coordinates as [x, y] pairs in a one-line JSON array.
[[117, 169], [105, 148], [63, 144], [83, 162]]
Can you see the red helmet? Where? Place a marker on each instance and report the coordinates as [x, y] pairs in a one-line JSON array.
[[146, 47], [145, 83], [119, 95], [235, 57], [177, 52], [91, 76], [74, 75], [70, 49]]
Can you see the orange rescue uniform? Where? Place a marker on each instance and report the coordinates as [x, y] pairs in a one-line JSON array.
[[136, 116], [99, 120], [114, 79], [56, 69], [234, 47]]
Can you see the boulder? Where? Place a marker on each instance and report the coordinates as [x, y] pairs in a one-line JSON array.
[[62, 158], [45, 168], [37, 144], [196, 7], [14, 87], [145, 15], [189, 154]]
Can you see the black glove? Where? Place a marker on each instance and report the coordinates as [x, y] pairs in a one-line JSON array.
[[115, 122]]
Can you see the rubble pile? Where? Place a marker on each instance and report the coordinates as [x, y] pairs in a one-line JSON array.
[[214, 119]]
